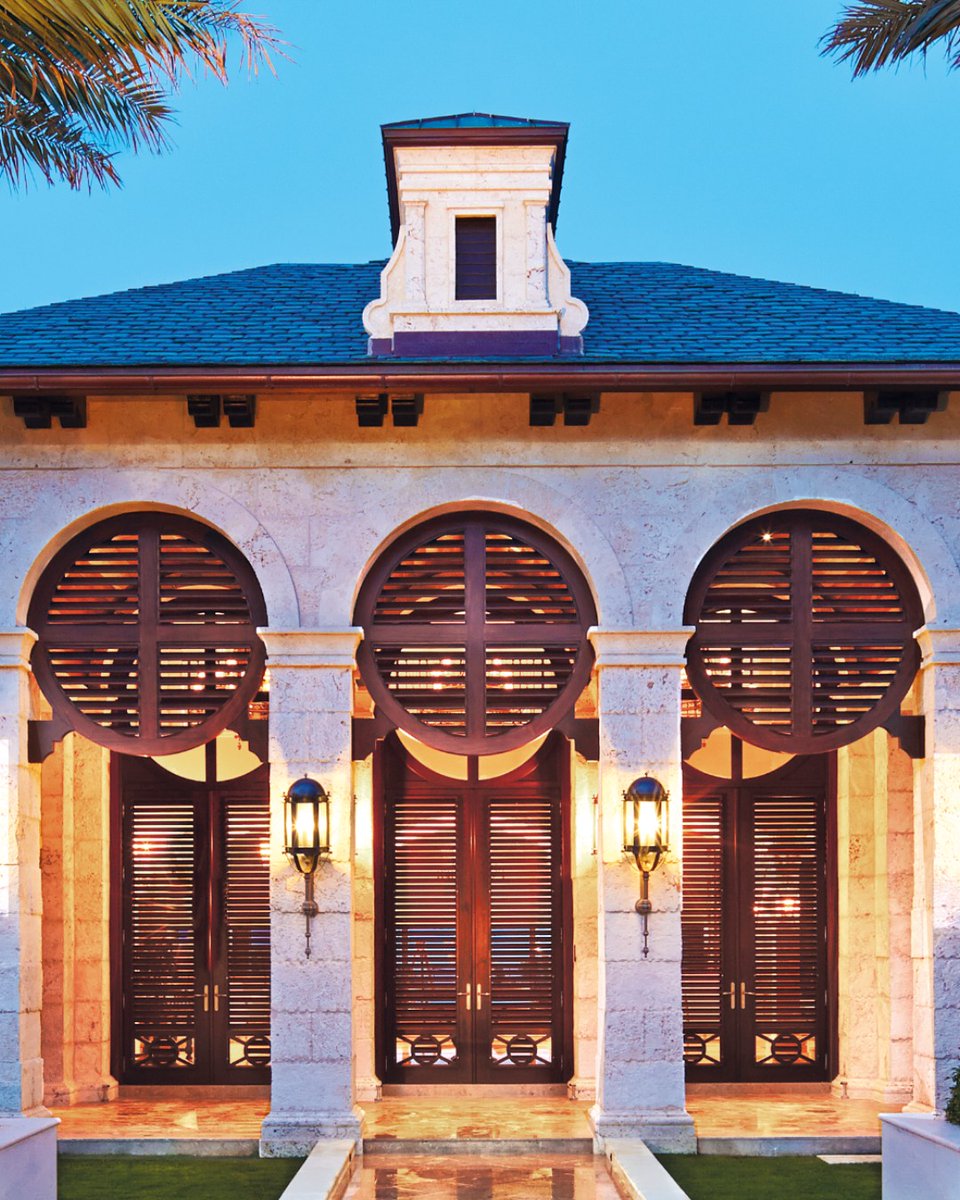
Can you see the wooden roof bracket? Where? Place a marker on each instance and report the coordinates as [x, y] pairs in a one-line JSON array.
[[910, 732], [739, 407], [37, 412], [911, 407]]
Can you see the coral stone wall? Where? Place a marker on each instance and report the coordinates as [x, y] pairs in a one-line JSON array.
[[638, 496]]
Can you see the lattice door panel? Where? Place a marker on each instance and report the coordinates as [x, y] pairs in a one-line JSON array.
[[520, 955], [471, 928], [193, 937], [756, 926]]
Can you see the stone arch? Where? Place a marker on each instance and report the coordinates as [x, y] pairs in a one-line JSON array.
[[558, 517], [203, 503], [892, 516]]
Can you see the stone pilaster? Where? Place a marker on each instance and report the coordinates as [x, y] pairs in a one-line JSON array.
[[936, 911], [312, 1094], [640, 1078], [21, 972]]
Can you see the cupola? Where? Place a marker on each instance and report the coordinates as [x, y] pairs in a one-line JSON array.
[[475, 269]]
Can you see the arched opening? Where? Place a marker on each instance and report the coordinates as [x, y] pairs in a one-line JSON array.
[[155, 808], [799, 674], [474, 656]]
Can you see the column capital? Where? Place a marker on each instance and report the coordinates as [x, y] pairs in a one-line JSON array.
[[640, 647], [15, 647], [939, 647], [308, 648]]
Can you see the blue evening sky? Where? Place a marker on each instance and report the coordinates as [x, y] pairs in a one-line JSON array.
[[702, 133]]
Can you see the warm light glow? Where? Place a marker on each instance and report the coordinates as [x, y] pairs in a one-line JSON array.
[[143, 846], [265, 851], [767, 537], [789, 903], [304, 824]]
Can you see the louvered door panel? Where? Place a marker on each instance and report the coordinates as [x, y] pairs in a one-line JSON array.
[[788, 945], [423, 923], [246, 930], [524, 967], [162, 954], [703, 925]]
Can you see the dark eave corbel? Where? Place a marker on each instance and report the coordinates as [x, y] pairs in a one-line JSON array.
[[207, 408], [910, 406], [38, 411], [739, 407]]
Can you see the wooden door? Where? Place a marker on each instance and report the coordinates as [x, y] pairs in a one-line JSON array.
[[757, 925], [473, 954], [192, 916]]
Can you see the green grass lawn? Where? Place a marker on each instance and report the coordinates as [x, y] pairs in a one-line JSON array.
[[96, 1177], [709, 1177]]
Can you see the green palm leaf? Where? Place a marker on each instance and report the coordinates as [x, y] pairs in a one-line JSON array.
[[91, 76]]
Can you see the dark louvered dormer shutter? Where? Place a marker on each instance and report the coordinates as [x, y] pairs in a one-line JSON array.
[[476, 258]]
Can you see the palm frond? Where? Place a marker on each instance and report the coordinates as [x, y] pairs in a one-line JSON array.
[[875, 33], [32, 141], [91, 74]]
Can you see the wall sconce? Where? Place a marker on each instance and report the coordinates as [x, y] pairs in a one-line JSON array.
[[645, 836], [306, 815]]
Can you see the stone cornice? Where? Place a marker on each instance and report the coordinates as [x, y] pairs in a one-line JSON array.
[[15, 648], [308, 648], [639, 647], [939, 647]]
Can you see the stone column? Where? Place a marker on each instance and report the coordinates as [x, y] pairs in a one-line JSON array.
[[875, 883], [312, 1095], [936, 910], [640, 1077], [75, 865], [21, 972]]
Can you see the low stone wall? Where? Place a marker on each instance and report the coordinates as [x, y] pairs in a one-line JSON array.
[[28, 1158], [921, 1157]]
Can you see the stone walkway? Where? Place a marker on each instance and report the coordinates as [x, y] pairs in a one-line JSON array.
[[480, 1177]]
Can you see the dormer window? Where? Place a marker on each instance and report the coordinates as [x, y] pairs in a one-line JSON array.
[[476, 258]]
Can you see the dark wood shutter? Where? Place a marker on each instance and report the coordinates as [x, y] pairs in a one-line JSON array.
[[475, 633], [192, 895], [789, 930], [246, 930], [702, 922], [756, 925], [804, 631], [162, 951], [147, 634], [424, 899], [476, 258], [525, 964]]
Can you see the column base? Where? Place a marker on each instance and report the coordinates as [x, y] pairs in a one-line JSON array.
[[664, 1131], [369, 1089], [582, 1088], [63, 1094], [294, 1135], [880, 1091]]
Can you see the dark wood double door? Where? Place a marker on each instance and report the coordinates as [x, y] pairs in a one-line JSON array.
[[192, 911], [758, 925], [474, 960]]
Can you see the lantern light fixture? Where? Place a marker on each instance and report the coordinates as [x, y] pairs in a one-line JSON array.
[[645, 837], [306, 811]]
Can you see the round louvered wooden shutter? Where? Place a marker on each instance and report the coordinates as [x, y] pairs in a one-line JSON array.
[[475, 633], [804, 631], [147, 633]]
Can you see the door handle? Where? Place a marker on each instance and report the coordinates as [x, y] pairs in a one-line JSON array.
[[479, 996], [744, 994], [216, 997], [206, 997], [732, 995], [469, 995]]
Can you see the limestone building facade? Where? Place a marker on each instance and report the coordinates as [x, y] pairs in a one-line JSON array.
[[475, 538]]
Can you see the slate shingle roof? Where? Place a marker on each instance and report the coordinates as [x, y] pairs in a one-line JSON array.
[[310, 314]]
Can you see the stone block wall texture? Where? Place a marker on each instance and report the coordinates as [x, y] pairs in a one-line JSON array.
[[638, 498]]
